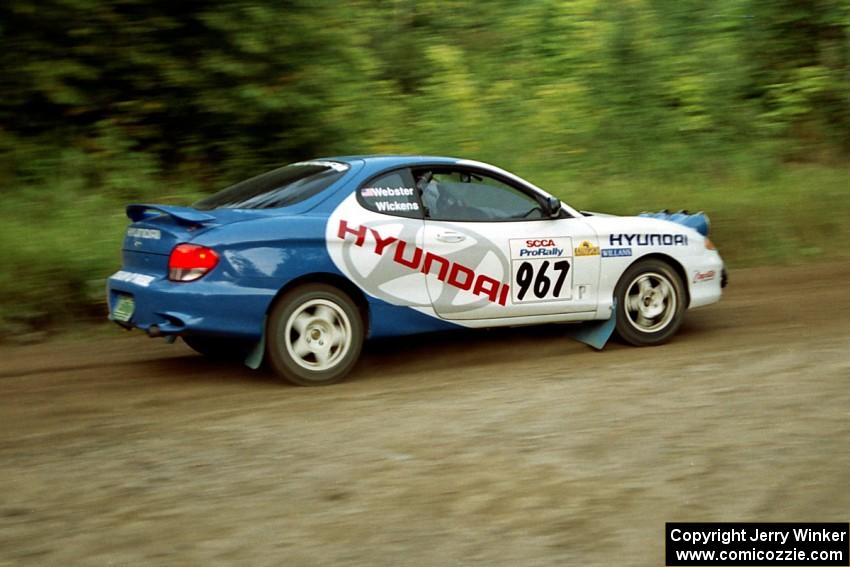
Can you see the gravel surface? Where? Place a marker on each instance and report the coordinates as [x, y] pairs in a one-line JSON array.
[[507, 447]]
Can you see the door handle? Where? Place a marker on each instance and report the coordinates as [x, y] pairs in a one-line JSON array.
[[450, 236]]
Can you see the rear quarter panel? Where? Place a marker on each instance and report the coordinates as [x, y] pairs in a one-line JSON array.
[[270, 252]]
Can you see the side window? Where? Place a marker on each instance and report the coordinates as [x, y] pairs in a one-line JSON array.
[[392, 193], [459, 195]]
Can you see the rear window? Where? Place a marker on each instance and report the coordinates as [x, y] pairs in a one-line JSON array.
[[281, 187]]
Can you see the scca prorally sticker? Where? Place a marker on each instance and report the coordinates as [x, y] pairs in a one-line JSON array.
[[540, 269]]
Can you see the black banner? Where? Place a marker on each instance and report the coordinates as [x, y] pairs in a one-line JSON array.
[[754, 543]]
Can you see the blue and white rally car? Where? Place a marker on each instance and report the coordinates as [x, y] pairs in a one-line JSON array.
[[301, 264]]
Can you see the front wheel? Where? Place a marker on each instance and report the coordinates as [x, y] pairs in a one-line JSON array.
[[650, 303], [314, 335]]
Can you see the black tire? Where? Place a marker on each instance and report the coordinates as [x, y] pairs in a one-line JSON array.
[[218, 348], [647, 288], [314, 335]]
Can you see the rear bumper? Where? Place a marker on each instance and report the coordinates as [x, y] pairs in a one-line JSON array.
[[164, 308]]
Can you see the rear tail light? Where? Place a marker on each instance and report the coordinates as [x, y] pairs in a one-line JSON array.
[[189, 262]]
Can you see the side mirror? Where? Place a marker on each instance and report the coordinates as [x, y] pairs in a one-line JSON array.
[[553, 207]]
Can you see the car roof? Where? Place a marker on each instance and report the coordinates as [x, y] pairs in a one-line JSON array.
[[389, 160], [375, 163]]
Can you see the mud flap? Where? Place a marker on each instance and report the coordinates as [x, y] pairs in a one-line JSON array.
[[255, 357], [595, 333]]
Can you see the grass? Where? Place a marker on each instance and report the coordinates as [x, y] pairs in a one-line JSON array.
[[794, 215]]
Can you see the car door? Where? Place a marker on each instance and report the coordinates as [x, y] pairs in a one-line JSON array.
[[492, 252], [375, 238]]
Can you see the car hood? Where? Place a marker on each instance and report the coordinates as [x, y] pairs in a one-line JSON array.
[[697, 221]]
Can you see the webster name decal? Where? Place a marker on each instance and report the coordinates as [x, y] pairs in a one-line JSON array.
[[447, 271]]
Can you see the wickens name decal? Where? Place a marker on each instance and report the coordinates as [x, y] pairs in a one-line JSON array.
[[452, 273], [648, 240]]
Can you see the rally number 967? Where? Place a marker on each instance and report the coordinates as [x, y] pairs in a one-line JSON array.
[[541, 280]]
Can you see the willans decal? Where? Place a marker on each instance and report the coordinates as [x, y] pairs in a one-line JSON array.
[[616, 252]]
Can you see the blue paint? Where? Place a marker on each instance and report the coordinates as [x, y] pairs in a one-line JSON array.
[[595, 333], [261, 251], [697, 221]]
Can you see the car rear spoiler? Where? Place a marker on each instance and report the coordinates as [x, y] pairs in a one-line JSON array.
[[697, 221], [185, 215]]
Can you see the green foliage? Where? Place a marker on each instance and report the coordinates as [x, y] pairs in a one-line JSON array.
[[739, 107]]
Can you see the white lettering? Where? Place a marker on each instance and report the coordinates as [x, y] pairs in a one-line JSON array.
[[133, 278], [150, 233]]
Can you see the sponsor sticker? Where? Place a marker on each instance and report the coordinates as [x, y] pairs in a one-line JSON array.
[[398, 200], [150, 233], [546, 247], [587, 249], [647, 240], [385, 192], [132, 277], [616, 252], [540, 269], [704, 276], [412, 257]]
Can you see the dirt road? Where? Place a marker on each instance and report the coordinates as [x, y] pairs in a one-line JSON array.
[[516, 447]]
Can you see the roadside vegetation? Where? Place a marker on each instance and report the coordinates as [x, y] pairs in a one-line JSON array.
[[740, 108]]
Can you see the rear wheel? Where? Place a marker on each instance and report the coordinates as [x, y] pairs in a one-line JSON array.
[[314, 335], [650, 303]]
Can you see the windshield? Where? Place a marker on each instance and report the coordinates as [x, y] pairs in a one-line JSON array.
[[278, 188]]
